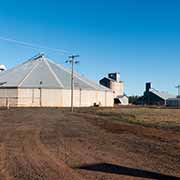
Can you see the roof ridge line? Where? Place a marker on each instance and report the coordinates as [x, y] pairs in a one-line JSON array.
[[10, 70], [57, 64], [53, 73], [76, 75], [28, 74], [89, 83]]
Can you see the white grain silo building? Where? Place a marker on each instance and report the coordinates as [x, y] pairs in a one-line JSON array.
[[113, 82], [41, 82]]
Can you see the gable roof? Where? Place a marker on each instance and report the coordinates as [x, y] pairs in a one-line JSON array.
[[42, 72], [162, 95]]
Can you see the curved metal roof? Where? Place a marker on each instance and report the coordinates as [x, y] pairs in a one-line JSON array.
[[42, 72]]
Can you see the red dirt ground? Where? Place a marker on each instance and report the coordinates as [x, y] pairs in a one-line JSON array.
[[53, 144]]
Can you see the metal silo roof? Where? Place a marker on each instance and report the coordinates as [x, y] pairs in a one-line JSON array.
[[42, 72]]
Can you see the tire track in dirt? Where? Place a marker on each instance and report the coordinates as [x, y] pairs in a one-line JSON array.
[[29, 159], [3, 164], [46, 144]]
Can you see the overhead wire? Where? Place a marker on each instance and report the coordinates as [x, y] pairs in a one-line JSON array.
[[32, 45]]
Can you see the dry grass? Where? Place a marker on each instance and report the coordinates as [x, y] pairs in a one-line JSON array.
[[151, 117]]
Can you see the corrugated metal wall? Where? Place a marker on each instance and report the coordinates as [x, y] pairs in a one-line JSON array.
[[8, 97], [62, 98]]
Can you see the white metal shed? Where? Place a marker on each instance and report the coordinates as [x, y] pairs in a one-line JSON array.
[[41, 82]]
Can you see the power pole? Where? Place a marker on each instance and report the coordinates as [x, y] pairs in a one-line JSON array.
[[178, 87], [72, 61]]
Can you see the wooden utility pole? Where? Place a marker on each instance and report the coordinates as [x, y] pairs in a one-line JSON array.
[[178, 87], [72, 61]]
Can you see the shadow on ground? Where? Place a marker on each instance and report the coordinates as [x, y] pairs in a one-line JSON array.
[[115, 169]]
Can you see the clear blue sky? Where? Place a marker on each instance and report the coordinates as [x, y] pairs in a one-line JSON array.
[[138, 38]]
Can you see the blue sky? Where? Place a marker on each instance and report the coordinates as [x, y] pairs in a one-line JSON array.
[[138, 38]]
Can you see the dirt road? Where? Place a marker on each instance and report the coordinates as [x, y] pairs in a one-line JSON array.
[[53, 144]]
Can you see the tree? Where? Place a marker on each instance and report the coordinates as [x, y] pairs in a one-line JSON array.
[[133, 99]]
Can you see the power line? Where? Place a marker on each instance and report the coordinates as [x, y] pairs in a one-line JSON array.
[[61, 51]]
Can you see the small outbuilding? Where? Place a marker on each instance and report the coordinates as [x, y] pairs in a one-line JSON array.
[[41, 82], [173, 102], [121, 100]]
